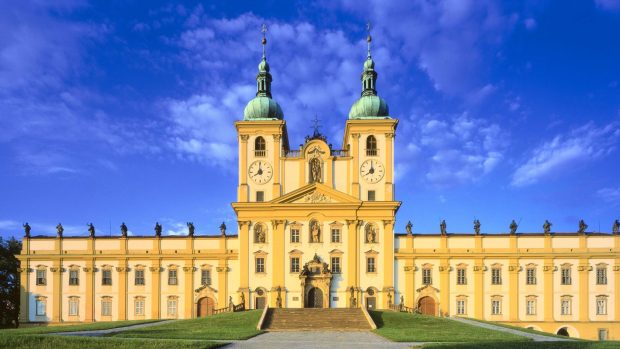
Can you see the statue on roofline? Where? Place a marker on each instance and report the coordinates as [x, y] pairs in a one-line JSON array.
[[477, 226], [616, 227], [91, 230], [408, 228], [547, 227], [582, 226], [223, 229], [123, 230], [513, 227], [158, 229], [442, 227], [27, 229], [190, 228]]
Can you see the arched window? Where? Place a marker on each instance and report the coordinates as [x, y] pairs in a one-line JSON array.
[[371, 146], [259, 147]]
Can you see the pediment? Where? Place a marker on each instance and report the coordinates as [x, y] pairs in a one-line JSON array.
[[316, 193]]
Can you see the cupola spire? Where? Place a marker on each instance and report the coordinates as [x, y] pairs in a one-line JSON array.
[[369, 76], [263, 79]]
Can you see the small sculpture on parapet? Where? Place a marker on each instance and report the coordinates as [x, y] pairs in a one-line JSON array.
[[582, 227], [91, 230], [190, 228], [477, 226], [59, 230], [442, 227], [223, 229], [616, 227], [124, 230], [26, 229], [547, 227], [513, 227], [157, 229], [408, 228]]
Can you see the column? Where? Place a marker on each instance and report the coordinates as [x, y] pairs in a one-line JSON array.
[[276, 165], [548, 270], [352, 255], [57, 291], [89, 301], [278, 261], [242, 194], [389, 169], [444, 286], [479, 289], [355, 185], [122, 289], [244, 266], [388, 260], [513, 286], [222, 281], [156, 289], [584, 290], [188, 269], [410, 283]]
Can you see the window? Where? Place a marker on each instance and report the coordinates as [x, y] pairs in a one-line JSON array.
[[139, 277], [41, 277], [295, 235], [530, 277], [371, 195], [565, 306], [260, 196], [496, 307], [295, 265], [205, 277], [73, 277], [336, 265], [371, 146], [427, 278], [259, 147], [461, 307], [106, 306], [40, 306], [370, 265], [566, 279], [496, 276], [106, 277], [461, 278], [172, 277], [601, 306], [335, 235], [601, 276], [602, 334], [260, 264], [530, 307], [139, 306], [74, 303], [172, 306]]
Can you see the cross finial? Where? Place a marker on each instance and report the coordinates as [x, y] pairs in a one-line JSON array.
[[369, 37], [316, 125], [264, 41]]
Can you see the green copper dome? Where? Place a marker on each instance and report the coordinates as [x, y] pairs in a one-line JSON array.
[[368, 107], [262, 108]]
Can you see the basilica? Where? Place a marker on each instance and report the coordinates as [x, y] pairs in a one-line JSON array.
[[316, 229]]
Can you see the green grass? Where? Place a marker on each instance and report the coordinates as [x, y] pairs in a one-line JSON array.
[[71, 328], [527, 345], [241, 325], [66, 342], [529, 330], [405, 327]]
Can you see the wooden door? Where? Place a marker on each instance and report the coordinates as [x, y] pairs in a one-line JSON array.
[[371, 303], [427, 306], [315, 298], [260, 302], [205, 307]]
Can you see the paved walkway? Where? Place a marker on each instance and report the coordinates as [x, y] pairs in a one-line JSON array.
[[535, 337], [97, 333]]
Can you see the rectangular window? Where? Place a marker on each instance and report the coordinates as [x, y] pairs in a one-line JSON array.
[[460, 307], [565, 307], [370, 265], [106, 307], [139, 278], [496, 307], [566, 279], [336, 265], [260, 265], [530, 276], [461, 278], [140, 307], [371, 195], [295, 265], [295, 235], [427, 276], [41, 279], [172, 307], [601, 306], [496, 276], [73, 306], [602, 334], [205, 277], [601, 276], [40, 305], [260, 196], [106, 277], [530, 308], [335, 235], [73, 277], [172, 277]]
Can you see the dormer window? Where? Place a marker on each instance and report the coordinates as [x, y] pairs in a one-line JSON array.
[[260, 148], [371, 146]]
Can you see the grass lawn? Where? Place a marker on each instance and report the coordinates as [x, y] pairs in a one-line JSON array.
[[405, 327], [71, 328], [66, 342], [527, 345], [522, 329], [241, 325]]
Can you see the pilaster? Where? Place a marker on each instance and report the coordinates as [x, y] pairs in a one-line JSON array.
[[188, 269], [389, 169], [616, 294], [276, 165], [24, 279], [388, 256], [513, 285], [242, 194], [156, 289], [444, 286], [584, 269], [548, 270], [278, 252], [122, 288], [355, 185], [244, 236], [57, 293], [353, 253], [222, 280], [410, 283], [89, 301], [479, 289]]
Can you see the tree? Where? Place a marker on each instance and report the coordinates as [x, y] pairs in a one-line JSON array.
[[9, 282]]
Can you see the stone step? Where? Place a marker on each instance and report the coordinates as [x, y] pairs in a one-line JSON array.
[[315, 319]]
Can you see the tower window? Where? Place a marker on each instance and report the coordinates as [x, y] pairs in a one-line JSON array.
[[295, 235], [260, 147], [371, 195], [295, 265], [260, 196], [371, 146]]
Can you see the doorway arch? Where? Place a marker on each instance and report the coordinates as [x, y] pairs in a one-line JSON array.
[[563, 332], [426, 305], [206, 306], [315, 298]]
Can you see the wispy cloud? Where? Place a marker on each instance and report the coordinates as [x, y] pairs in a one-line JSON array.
[[611, 195]]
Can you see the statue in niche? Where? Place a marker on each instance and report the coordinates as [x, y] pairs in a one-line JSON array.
[[190, 228], [157, 229], [27, 229], [513, 227], [315, 171], [582, 226], [408, 228], [259, 234], [547, 227], [123, 230], [223, 229], [442, 227], [371, 233], [616, 227], [315, 231], [477, 226]]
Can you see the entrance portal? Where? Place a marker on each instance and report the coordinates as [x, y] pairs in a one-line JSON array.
[[260, 302], [315, 298], [426, 305], [371, 303], [205, 307]]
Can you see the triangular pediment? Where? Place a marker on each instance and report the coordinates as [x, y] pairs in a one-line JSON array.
[[316, 193]]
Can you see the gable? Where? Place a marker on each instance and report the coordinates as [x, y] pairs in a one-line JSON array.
[[316, 193]]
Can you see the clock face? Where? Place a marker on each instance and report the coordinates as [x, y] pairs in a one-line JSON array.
[[260, 171], [372, 171]]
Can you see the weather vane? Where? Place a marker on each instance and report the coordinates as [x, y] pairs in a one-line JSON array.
[[264, 41], [368, 38]]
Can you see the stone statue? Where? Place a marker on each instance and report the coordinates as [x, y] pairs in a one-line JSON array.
[[352, 299], [123, 230], [230, 302], [371, 234], [408, 228], [442, 227], [547, 227], [243, 298], [389, 295], [315, 171], [223, 229], [157, 229], [325, 268], [402, 299], [616, 227], [315, 232], [513, 227], [27, 229], [59, 230], [91, 230], [582, 226], [305, 270], [190, 228], [477, 226], [259, 233], [279, 298]]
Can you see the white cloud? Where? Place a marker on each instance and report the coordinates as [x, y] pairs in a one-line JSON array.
[[610, 5], [609, 194], [563, 151]]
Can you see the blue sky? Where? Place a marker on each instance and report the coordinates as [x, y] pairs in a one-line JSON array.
[[117, 112]]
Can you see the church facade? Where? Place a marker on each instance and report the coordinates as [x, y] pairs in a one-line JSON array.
[[316, 229]]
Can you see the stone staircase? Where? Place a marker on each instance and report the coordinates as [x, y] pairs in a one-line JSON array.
[[315, 319]]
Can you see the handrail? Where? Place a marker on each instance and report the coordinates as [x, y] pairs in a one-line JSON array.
[[259, 326]]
